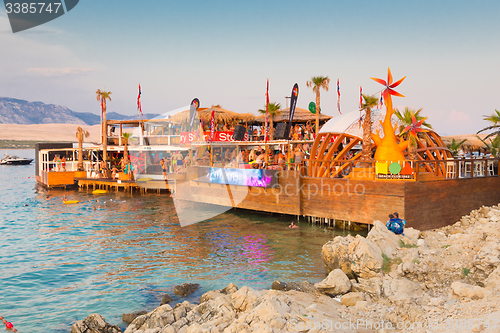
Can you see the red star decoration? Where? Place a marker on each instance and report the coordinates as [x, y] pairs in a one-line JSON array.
[[415, 127], [389, 86]]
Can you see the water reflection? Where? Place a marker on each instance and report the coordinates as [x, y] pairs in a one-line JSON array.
[[59, 263]]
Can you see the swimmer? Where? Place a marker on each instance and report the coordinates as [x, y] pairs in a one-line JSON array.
[[64, 198], [293, 226]]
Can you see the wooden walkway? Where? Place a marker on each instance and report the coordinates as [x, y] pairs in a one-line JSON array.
[[107, 184]]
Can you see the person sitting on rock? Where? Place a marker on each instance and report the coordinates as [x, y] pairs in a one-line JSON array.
[[400, 221], [394, 225]]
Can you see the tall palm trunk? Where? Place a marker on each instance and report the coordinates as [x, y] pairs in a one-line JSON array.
[[271, 127], [104, 133], [80, 152], [317, 112], [366, 152], [412, 149]]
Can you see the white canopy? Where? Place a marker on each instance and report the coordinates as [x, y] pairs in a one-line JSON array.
[[349, 123]]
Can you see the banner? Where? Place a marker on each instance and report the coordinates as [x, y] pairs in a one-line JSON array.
[[293, 104], [195, 104], [242, 177], [188, 137]]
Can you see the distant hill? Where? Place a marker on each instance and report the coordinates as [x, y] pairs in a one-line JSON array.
[[17, 111]]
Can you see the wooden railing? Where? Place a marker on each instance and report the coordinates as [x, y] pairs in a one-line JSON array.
[[445, 169]]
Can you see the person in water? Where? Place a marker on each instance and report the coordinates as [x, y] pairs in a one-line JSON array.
[[395, 224], [293, 225]]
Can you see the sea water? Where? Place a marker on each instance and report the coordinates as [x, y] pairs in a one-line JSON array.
[[59, 263]]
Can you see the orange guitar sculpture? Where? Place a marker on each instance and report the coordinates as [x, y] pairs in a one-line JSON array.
[[388, 148]]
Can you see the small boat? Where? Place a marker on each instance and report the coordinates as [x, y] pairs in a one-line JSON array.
[[15, 160]]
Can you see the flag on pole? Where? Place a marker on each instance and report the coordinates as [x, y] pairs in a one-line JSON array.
[[102, 108], [139, 107], [212, 126], [338, 99], [266, 135], [360, 97], [381, 101]]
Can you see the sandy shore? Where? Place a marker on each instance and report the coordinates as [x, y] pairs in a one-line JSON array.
[[47, 132]]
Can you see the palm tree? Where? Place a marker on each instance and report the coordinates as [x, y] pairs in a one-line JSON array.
[[368, 104], [273, 109], [316, 83], [495, 119], [80, 135], [125, 136], [410, 125], [102, 96], [493, 146], [454, 146]]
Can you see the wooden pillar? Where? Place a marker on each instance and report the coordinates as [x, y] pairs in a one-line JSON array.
[[266, 158], [121, 133]]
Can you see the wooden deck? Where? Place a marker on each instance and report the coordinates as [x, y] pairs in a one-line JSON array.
[[423, 204], [106, 184]]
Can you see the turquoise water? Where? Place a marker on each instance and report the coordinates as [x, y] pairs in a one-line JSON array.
[[59, 263]]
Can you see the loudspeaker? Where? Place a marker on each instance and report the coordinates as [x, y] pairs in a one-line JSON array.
[[280, 131], [239, 133]]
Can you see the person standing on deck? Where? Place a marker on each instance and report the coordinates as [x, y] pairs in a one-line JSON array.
[[163, 168]]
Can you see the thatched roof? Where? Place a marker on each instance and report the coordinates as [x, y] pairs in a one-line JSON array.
[[221, 115], [300, 115], [472, 142]]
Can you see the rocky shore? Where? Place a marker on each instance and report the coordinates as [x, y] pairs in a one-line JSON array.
[[444, 280]]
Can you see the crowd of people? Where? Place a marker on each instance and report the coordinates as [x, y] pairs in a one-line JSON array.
[[59, 163], [278, 159]]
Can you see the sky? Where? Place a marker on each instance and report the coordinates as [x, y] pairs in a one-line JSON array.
[[222, 52]]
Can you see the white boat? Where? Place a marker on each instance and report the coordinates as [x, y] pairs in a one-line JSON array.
[[15, 160]]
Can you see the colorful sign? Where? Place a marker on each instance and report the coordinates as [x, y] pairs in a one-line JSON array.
[[188, 137], [293, 104], [243, 177]]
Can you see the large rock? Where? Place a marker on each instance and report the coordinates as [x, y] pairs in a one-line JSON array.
[[209, 295], [95, 323], [161, 317], [336, 283], [186, 289], [487, 259], [401, 289], [467, 290], [383, 238], [335, 255], [366, 258], [166, 299], [372, 287], [244, 298], [230, 288], [129, 317], [278, 285], [351, 299], [493, 281]]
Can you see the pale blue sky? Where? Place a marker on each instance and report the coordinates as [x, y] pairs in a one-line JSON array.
[[223, 51]]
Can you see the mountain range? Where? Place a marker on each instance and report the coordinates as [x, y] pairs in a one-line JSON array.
[[18, 111]]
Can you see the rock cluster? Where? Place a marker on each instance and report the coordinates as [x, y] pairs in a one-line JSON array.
[[440, 280]]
